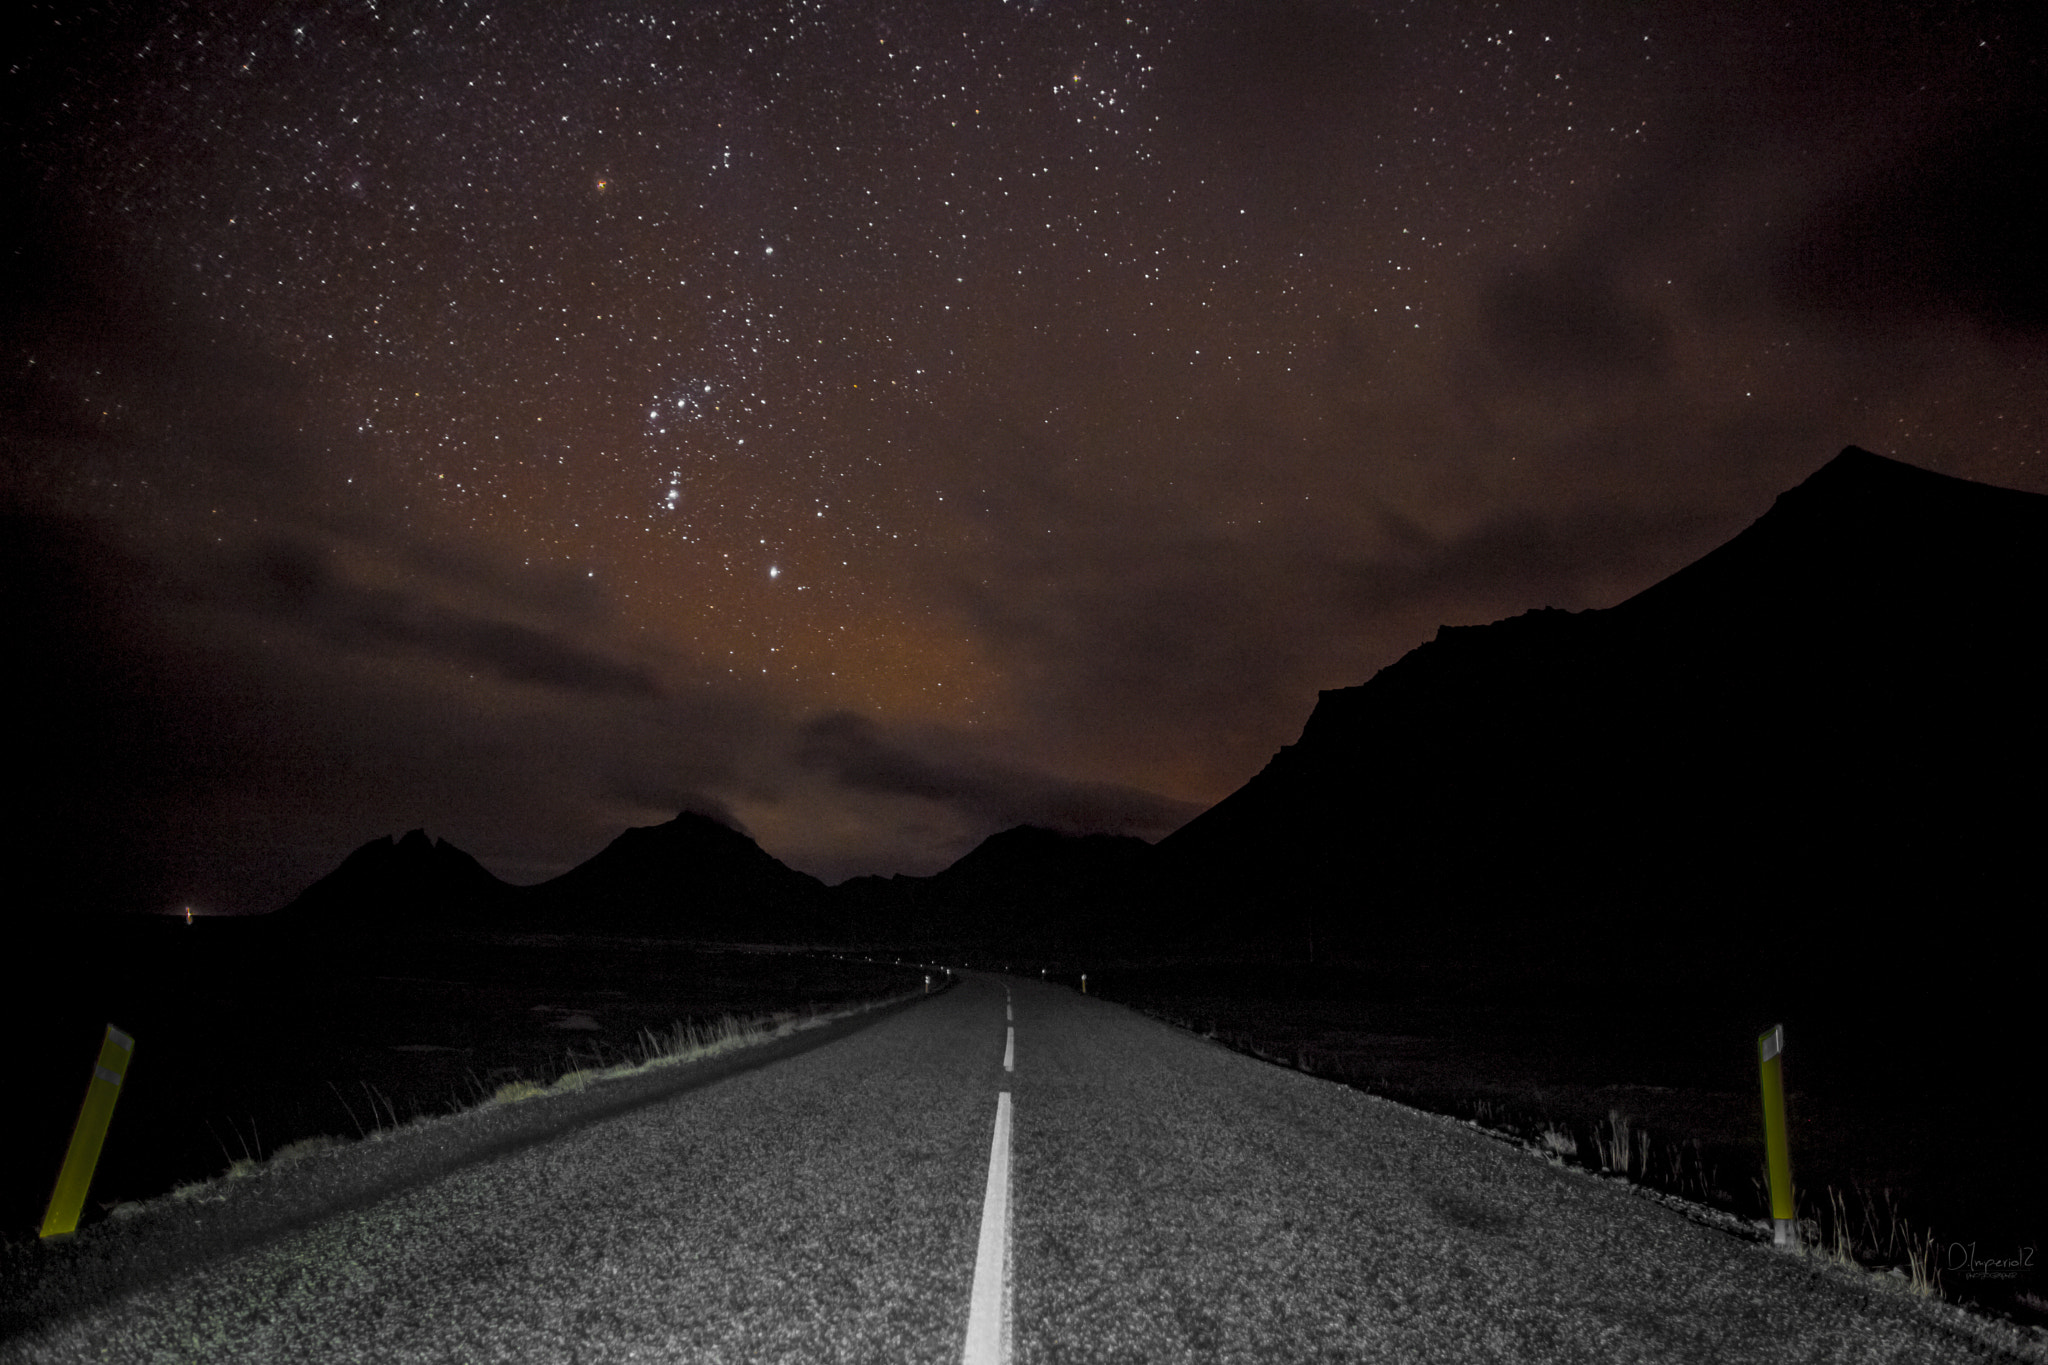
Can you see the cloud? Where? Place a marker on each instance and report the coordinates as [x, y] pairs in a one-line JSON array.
[[294, 579], [1955, 224], [1178, 658], [669, 796], [1561, 323], [1120, 644], [224, 726], [1588, 557], [855, 752]]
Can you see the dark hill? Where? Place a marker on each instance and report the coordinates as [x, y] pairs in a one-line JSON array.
[[410, 881], [691, 877], [1024, 890], [1829, 729], [1030, 872], [1820, 745]]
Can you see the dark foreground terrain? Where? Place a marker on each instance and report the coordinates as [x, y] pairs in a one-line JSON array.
[[1132, 1191], [1917, 1112], [247, 1039]]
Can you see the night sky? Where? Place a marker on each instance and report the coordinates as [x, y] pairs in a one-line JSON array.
[[883, 424]]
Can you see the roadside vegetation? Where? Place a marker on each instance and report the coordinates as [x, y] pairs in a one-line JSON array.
[[1476, 1047], [251, 1051], [681, 1043]]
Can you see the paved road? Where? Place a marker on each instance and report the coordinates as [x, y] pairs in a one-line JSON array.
[[1170, 1201]]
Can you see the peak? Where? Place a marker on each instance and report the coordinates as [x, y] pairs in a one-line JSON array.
[[1033, 850], [1008, 845], [1863, 483], [1859, 469], [1024, 834], [696, 823], [1861, 463], [687, 815], [1862, 533], [388, 878], [710, 815], [1036, 841]]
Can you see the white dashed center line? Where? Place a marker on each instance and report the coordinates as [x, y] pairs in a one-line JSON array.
[[988, 1313], [1010, 1051]]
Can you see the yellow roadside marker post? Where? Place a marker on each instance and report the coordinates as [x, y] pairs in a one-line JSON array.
[[1770, 1049], [86, 1139], [1084, 983]]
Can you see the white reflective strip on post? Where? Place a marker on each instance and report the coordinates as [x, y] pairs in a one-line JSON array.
[[120, 1039], [1772, 1043], [988, 1337], [110, 1077]]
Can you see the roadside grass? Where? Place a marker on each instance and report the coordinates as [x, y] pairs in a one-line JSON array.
[[1876, 1235], [1859, 1228], [579, 1069], [253, 1043], [684, 1041]]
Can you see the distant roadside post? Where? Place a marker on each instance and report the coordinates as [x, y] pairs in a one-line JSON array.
[[1084, 983], [1770, 1048], [91, 1132]]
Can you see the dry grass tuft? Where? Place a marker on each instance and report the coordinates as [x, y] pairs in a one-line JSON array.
[[303, 1148], [1617, 1144], [1876, 1234], [569, 1082], [514, 1091]]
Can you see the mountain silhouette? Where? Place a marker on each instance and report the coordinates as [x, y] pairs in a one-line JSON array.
[[1025, 890], [1814, 750], [1829, 724], [412, 880], [690, 877]]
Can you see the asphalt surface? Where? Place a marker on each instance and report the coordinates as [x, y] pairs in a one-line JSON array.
[[1171, 1201]]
